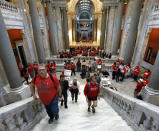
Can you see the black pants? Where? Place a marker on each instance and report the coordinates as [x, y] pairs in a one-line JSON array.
[[64, 94], [113, 75], [73, 71], [117, 78], [74, 94], [122, 77], [78, 68], [135, 77], [26, 78]]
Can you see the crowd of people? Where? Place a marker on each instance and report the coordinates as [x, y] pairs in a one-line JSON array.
[[51, 90], [83, 51], [121, 71]]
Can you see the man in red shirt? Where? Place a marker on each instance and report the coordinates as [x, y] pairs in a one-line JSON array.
[[35, 66], [49, 90], [136, 72], [91, 91]]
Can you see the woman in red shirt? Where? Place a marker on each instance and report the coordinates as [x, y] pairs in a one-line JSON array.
[[91, 91], [30, 70]]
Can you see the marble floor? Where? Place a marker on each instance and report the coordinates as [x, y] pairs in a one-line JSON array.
[[76, 117]]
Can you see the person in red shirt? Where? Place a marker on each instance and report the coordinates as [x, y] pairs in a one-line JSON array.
[[35, 66], [118, 62], [136, 72], [30, 70], [147, 73], [68, 66], [91, 91], [114, 71], [49, 90], [73, 68], [123, 72], [139, 87], [20, 67], [53, 67]]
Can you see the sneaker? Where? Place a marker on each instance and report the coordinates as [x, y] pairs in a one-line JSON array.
[[89, 110], [93, 109], [56, 117], [66, 106], [50, 121], [76, 101]]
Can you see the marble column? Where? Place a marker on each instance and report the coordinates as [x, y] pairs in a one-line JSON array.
[[36, 31], [106, 27], [59, 27], [112, 12], [117, 28], [52, 28], [126, 28], [133, 31], [26, 31], [45, 30], [7, 57], [152, 89], [103, 28], [65, 21]]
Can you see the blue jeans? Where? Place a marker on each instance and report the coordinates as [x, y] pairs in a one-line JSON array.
[[52, 109]]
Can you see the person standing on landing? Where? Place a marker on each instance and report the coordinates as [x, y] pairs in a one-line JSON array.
[[49, 91], [91, 91]]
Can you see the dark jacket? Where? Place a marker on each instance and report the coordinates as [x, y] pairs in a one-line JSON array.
[[64, 86]]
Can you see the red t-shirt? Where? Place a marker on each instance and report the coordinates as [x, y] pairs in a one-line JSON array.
[[147, 74], [139, 87], [114, 67], [26, 74], [72, 66], [93, 90], [99, 62], [136, 71], [30, 68], [35, 66], [20, 67], [67, 66], [46, 88]]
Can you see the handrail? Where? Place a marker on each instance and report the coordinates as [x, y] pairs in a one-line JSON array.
[[21, 115], [140, 115]]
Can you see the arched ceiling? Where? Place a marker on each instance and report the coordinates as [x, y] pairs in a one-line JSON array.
[[71, 5]]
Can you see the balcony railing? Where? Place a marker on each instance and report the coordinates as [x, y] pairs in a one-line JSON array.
[[8, 6]]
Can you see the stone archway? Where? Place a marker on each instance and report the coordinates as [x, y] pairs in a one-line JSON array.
[[71, 12]]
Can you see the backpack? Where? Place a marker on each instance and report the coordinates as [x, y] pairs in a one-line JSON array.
[[52, 79], [90, 84]]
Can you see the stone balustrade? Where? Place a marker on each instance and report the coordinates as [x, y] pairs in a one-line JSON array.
[[141, 116], [21, 116], [8, 6]]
